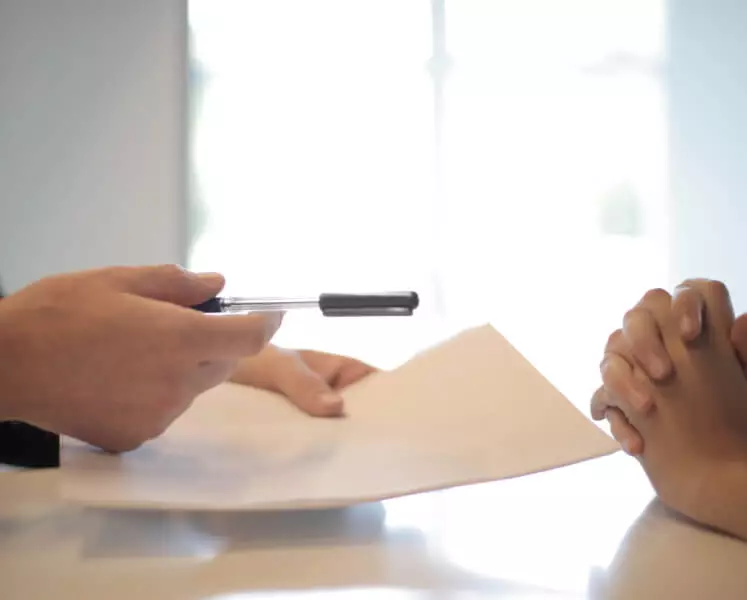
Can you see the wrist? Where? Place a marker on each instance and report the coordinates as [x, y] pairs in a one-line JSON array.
[[259, 370], [733, 511], [723, 496], [11, 402]]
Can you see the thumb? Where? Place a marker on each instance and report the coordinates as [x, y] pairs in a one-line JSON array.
[[307, 390], [169, 283]]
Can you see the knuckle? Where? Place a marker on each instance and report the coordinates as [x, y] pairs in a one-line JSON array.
[[170, 272], [605, 366], [614, 340], [632, 315], [656, 295], [611, 372], [641, 334], [608, 374], [718, 288], [599, 404], [685, 297]]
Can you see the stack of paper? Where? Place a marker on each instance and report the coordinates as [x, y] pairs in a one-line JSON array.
[[470, 410]]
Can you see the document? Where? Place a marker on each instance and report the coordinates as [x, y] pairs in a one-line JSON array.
[[469, 410]]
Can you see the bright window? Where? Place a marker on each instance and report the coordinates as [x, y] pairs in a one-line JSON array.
[[506, 159]]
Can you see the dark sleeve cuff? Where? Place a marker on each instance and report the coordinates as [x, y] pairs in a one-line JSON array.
[[23, 445]]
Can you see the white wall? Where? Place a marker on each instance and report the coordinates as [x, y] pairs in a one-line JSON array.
[[708, 132], [92, 113]]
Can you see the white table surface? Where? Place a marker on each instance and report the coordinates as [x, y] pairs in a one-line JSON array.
[[587, 531]]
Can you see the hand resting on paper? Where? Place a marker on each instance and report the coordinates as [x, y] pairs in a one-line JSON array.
[[310, 380], [693, 423]]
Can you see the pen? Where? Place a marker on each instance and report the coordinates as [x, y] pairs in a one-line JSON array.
[[331, 305]]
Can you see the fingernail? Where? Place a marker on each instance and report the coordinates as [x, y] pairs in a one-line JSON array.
[[332, 402], [626, 447], [658, 367], [209, 277], [688, 326]]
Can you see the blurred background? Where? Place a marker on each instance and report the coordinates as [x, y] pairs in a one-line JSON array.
[[507, 159], [537, 164]]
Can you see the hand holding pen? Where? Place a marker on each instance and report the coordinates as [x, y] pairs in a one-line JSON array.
[[110, 357]]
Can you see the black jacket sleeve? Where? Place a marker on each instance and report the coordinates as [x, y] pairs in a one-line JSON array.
[[23, 445]]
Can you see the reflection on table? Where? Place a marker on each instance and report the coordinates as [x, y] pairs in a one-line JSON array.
[[587, 531]]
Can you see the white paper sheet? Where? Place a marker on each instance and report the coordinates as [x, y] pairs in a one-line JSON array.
[[469, 410]]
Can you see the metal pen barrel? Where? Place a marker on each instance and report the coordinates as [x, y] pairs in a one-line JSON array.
[[240, 305]]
